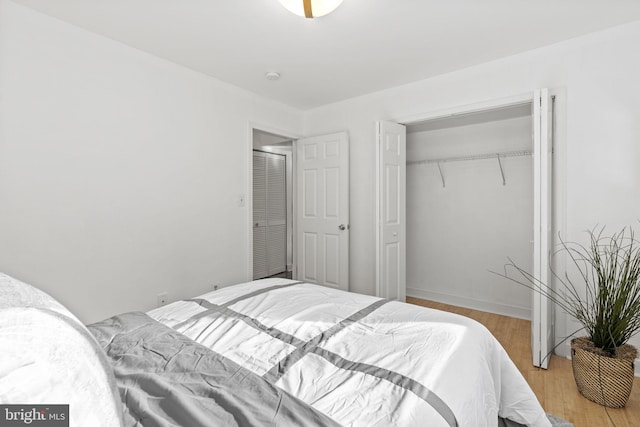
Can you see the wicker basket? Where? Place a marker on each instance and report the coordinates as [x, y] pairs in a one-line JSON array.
[[601, 379]]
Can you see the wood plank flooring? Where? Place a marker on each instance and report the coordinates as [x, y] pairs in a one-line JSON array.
[[555, 388]]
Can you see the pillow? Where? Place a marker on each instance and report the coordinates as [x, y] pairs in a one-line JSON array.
[[49, 357]]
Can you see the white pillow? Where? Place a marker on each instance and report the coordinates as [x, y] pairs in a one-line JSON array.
[[47, 356]]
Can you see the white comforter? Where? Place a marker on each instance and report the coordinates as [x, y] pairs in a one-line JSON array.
[[361, 360]]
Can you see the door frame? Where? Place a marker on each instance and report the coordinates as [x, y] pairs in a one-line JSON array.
[[248, 196], [559, 166]]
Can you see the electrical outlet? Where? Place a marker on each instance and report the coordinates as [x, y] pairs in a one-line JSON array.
[[163, 299]]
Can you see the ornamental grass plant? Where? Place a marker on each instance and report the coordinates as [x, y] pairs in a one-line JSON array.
[[602, 292], [606, 302]]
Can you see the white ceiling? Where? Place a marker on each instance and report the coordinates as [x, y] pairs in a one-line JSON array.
[[364, 46]]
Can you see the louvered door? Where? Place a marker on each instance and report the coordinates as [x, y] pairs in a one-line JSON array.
[[260, 267], [269, 214]]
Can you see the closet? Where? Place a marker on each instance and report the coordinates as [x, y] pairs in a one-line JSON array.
[[269, 214], [470, 207]]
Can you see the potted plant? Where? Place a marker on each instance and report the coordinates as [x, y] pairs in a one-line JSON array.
[[606, 302]]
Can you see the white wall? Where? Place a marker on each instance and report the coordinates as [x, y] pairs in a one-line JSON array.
[[602, 127], [120, 172], [457, 233]]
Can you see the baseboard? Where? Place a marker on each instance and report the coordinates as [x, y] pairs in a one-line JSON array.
[[492, 307], [564, 350]]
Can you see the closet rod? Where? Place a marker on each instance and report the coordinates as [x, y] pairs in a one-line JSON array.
[[476, 157]]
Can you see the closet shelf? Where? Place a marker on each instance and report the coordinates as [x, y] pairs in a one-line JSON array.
[[474, 157], [497, 156]]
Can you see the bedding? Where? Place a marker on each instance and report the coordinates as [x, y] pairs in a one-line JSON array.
[[166, 378], [47, 356], [357, 359], [271, 352]]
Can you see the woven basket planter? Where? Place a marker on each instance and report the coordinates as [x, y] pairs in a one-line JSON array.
[[604, 380]]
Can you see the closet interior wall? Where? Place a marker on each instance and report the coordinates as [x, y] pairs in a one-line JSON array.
[[462, 221]]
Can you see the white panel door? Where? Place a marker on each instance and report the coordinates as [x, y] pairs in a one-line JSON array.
[[322, 210], [542, 313], [391, 211]]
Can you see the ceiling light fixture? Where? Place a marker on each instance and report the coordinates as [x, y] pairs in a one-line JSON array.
[[311, 8]]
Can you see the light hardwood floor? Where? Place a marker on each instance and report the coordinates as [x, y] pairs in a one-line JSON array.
[[555, 388]]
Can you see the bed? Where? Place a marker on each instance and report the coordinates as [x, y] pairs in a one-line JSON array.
[[287, 353]]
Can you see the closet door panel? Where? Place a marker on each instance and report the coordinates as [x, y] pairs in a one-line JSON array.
[[276, 248], [259, 188], [260, 263], [276, 214], [269, 214], [276, 191], [391, 211], [260, 260]]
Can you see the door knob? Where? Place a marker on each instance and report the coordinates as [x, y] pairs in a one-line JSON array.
[[342, 227]]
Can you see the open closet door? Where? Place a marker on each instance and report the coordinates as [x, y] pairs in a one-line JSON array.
[[322, 210], [391, 189], [542, 313]]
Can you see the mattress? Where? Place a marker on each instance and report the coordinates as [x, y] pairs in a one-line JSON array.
[[356, 360]]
